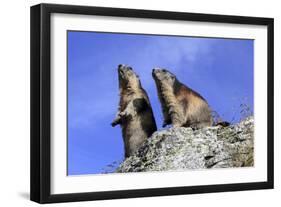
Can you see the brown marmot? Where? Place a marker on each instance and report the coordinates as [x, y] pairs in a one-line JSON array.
[[134, 114], [181, 106]]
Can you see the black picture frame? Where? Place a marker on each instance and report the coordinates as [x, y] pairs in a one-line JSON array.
[[41, 98]]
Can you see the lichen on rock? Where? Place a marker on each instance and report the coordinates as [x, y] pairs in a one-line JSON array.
[[184, 148]]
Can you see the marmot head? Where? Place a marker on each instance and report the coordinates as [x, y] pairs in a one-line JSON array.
[[128, 79], [163, 77]]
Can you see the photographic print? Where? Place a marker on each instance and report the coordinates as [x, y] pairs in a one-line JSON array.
[[141, 103], [131, 103]]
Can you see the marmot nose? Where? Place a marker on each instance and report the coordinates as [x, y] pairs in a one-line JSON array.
[[120, 65]]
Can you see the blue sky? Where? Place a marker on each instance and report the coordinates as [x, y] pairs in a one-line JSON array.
[[221, 70]]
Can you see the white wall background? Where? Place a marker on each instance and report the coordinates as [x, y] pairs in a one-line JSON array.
[[14, 104]]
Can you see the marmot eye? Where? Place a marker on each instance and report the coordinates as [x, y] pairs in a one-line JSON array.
[[130, 68], [164, 70]]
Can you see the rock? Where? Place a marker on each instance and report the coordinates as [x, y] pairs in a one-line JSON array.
[[184, 148]]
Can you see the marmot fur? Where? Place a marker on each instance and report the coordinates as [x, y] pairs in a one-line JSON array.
[[181, 106], [134, 114]]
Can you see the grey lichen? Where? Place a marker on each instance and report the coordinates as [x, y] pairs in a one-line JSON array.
[[185, 148]]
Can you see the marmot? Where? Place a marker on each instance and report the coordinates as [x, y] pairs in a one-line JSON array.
[[134, 114], [181, 106]]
